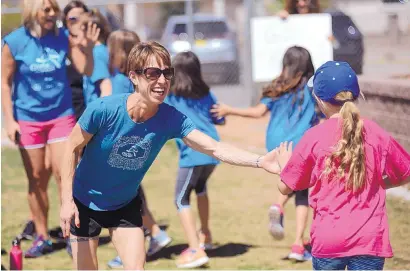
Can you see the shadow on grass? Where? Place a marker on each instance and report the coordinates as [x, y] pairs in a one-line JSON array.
[[222, 251]]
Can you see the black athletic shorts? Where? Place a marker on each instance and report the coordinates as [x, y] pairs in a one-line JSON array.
[[92, 222]]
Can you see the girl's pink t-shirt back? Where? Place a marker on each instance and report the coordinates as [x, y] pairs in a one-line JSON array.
[[347, 223]]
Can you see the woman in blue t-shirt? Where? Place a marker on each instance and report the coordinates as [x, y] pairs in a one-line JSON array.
[[192, 97], [293, 111], [36, 99], [124, 134], [120, 43]]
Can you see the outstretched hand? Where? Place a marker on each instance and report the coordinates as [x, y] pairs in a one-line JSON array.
[[284, 152], [85, 38], [276, 160], [220, 110]]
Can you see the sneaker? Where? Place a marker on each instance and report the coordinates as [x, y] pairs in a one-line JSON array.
[[57, 234], [158, 242], [297, 253], [115, 263], [39, 248], [276, 222], [29, 231], [205, 240], [191, 258]]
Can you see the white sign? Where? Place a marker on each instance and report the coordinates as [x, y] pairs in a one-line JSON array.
[[272, 36]]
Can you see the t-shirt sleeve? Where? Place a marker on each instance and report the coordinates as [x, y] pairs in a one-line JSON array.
[[101, 70], [181, 125], [297, 173], [268, 102], [14, 40], [396, 162], [93, 117]]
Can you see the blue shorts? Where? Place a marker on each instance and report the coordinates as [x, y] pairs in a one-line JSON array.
[[362, 262]]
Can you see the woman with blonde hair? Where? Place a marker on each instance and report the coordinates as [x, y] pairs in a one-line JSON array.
[[38, 112], [124, 133]]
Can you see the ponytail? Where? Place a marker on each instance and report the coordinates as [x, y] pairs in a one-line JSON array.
[[349, 153]]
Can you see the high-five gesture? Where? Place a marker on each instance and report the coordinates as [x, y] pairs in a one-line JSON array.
[[283, 153], [85, 36]]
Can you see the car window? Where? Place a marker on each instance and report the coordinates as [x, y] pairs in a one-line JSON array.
[[207, 29]]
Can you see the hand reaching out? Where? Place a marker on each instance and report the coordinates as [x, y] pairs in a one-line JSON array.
[[284, 152], [220, 110], [85, 37], [276, 160]]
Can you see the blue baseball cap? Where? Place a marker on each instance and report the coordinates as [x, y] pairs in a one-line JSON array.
[[332, 78]]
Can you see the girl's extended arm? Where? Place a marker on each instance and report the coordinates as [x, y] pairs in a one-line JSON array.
[[257, 111]]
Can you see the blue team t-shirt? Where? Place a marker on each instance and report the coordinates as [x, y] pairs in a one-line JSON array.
[[289, 118], [198, 111], [41, 89], [101, 59], [121, 83], [121, 151]]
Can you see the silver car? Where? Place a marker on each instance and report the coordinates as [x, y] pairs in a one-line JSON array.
[[214, 44]]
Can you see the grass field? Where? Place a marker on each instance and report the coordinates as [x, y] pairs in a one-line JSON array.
[[239, 201]]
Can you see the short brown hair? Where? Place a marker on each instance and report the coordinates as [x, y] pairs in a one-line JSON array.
[[120, 44], [143, 51]]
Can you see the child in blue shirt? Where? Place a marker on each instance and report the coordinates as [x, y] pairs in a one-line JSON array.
[[293, 112], [192, 96]]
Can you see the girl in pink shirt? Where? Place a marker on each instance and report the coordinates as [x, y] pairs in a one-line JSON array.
[[348, 163]]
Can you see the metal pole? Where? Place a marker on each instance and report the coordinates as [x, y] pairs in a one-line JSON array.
[[247, 52], [189, 12]]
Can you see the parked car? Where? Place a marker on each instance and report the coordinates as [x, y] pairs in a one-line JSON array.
[[347, 40], [214, 44]]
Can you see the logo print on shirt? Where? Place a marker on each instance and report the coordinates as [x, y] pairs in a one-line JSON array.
[[48, 62], [130, 153]]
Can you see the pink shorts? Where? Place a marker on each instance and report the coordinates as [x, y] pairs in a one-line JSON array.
[[36, 135]]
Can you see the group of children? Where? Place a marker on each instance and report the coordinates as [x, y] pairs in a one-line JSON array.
[[345, 161]]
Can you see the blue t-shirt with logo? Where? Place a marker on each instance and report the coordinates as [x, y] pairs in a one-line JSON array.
[[198, 111], [90, 87], [290, 118], [121, 83], [121, 151], [41, 89]]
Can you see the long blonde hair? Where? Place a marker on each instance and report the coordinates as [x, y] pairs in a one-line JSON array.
[[349, 153], [30, 10]]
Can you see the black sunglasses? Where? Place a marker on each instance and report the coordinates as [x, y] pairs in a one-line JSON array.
[[155, 73]]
